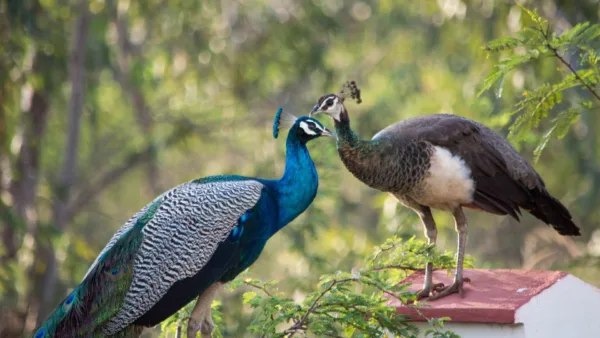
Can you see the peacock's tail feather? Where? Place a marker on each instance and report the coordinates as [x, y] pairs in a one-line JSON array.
[[98, 297]]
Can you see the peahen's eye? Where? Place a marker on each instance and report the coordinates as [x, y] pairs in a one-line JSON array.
[[329, 102]]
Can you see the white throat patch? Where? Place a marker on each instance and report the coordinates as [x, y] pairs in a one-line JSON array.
[[334, 110]]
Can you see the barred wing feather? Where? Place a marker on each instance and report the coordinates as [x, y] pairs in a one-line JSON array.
[[179, 240]]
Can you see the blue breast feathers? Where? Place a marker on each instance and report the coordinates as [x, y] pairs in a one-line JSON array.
[[236, 233]]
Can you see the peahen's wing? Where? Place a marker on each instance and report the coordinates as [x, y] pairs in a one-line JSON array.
[[503, 178], [170, 239], [477, 144]]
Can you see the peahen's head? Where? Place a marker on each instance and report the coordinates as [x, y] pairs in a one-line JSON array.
[[333, 104], [304, 128]]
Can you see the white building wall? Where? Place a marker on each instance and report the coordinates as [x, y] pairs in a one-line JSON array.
[[478, 330], [569, 308]]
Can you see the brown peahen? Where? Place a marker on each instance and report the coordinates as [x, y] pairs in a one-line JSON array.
[[445, 162]]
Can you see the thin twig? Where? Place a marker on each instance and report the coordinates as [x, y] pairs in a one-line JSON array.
[[397, 267], [564, 62], [585, 84], [299, 324], [262, 288]]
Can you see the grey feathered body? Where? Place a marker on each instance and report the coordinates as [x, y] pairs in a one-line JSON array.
[[383, 165], [402, 158], [477, 143]]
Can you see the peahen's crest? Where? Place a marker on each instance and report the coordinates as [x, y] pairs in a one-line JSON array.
[[350, 89], [282, 120]]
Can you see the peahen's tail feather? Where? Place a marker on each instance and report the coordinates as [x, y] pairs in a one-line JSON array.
[[549, 210], [99, 296]]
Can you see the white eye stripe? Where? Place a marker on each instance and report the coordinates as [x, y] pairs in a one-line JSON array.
[[325, 105], [307, 129]]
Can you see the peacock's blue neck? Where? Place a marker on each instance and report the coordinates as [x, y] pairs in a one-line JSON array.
[[298, 187]]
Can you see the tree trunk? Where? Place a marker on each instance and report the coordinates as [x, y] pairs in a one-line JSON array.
[[140, 108], [69, 167], [23, 187], [7, 230], [21, 215]]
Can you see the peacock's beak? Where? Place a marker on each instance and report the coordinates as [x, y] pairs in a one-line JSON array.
[[314, 111], [328, 132]]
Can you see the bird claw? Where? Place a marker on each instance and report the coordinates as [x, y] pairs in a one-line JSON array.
[[443, 291], [206, 326], [426, 292]]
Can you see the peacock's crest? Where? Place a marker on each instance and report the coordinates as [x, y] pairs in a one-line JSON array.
[[282, 120], [350, 89]]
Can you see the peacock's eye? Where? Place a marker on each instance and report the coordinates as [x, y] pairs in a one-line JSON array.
[[329, 102]]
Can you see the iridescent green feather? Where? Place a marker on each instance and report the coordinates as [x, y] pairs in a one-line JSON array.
[[98, 298]]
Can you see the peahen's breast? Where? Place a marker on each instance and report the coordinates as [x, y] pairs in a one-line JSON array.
[[389, 167], [446, 184]]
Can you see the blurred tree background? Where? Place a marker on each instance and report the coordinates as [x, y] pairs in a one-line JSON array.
[[104, 104]]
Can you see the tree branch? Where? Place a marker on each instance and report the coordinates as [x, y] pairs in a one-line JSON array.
[[301, 323], [261, 288], [585, 84], [86, 194], [397, 267], [556, 54]]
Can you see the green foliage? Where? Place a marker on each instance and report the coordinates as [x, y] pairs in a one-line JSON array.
[[345, 304], [536, 42], [209, 75]]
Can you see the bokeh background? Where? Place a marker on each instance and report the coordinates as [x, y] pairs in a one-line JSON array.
[[104, 104]]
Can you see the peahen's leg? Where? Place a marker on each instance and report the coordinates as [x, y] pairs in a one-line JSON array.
[[200, 318], [459, 279], [431, 234]]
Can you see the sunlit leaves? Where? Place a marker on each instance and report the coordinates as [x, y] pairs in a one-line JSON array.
[[547, 100], [559, 129], [503, 67]]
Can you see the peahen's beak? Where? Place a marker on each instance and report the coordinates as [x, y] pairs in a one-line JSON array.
[[314, 111]]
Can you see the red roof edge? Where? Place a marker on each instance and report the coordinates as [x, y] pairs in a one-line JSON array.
[[492, 296]]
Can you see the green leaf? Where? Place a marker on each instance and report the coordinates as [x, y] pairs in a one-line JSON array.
[[504, 67], [249, 296], [502, 44]]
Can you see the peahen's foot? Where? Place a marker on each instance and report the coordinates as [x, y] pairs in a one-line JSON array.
[[427, 292], [205, 325], [456, 287]]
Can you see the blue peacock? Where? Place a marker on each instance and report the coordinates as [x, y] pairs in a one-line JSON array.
[[187, 243]]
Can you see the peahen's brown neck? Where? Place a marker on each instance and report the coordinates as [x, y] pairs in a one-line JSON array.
[[359, 156]]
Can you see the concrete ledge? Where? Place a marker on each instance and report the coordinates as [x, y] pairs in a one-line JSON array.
[[512, 303]]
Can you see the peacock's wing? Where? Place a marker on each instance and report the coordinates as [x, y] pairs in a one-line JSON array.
[[170, 239]]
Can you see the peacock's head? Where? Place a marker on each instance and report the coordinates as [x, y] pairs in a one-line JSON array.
[[333, 104], [304, 128]]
